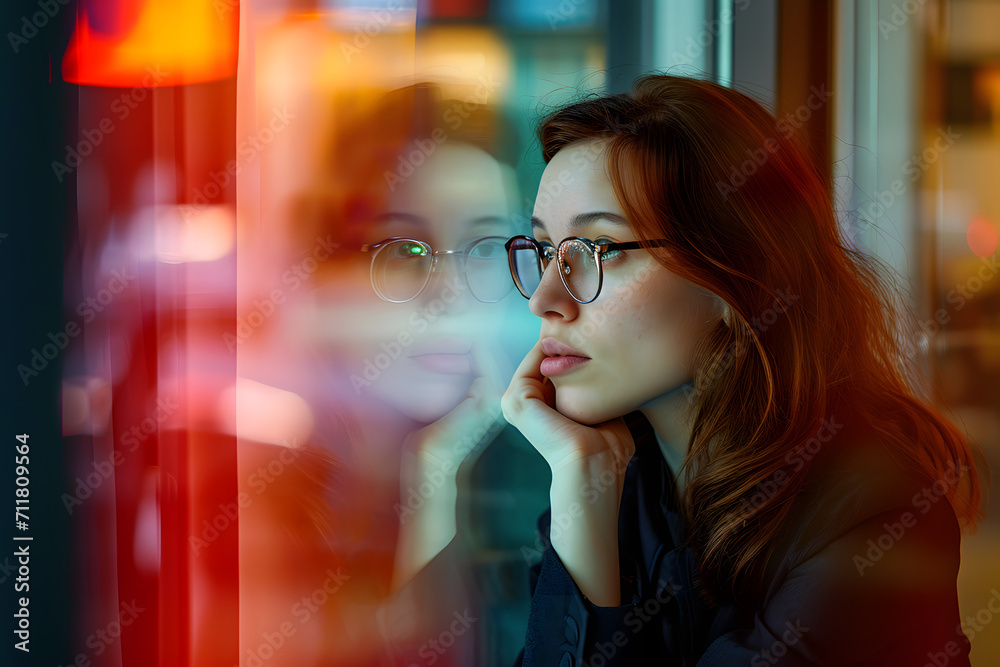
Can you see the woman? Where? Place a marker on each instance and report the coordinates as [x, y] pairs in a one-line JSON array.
[[724, 393], [399, 336]]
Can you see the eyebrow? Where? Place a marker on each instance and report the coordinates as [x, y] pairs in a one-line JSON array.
[[392, 216], [488, 220], [422, 222], [584, 219]]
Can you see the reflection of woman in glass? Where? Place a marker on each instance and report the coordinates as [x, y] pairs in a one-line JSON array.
[[741, 473], [402, 334]]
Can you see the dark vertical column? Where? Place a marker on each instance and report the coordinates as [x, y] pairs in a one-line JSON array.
[[629, 37], [805, 73], [755, 50], [37, 115]]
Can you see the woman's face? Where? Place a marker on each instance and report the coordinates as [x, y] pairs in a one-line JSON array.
[[416, 357], [641, 331]]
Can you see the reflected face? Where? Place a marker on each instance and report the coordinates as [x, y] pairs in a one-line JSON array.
[[415, 357], [637, 339]]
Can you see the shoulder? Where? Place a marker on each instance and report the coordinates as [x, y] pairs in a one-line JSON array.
[[864, 517], [859, 487], [875, 555]]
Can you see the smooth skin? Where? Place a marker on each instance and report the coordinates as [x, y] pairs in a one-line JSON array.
[[434, 454], [640, 334]]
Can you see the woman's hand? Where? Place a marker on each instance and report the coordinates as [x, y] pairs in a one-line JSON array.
[[584, 503], [529, 405], [431, 458], [471, 425]]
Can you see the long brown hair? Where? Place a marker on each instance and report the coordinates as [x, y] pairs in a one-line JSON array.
[[749, 218]]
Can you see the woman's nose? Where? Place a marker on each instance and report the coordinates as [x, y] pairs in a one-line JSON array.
[[551, 297], [447, 284]]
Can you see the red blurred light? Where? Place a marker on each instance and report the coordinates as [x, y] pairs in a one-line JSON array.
[[192, 41]]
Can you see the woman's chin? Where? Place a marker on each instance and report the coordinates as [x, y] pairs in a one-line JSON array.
[[586, 410], [426, 402]]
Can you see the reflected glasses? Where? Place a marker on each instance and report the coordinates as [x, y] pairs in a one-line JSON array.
[[580, 262], [402, 268]]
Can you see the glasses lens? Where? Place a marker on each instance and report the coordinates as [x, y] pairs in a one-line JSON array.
[[400, 269], [579, 268], [526, 265], [487, 271]]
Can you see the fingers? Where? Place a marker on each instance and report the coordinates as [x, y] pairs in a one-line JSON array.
[[485, 364], [478, 414], [549, 392], [529, 403], [528, 374], [489, 384]]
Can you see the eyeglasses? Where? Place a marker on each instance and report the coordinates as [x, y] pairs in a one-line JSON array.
[[580, 261], [402, 268]]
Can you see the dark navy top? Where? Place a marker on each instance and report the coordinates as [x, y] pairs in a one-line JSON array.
[[863, 573], [834, 597]]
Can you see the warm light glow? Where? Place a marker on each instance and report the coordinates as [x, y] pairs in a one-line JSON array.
[[265, 414], [192, 41], [461, 57], [86, 405], [982, 237], [199, 236]]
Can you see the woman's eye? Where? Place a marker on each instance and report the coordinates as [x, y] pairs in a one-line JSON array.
[[485, 249], [408, 249], [610, 255]]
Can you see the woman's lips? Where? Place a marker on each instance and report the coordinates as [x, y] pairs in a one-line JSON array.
[[552, 366], [446, 363], [561, 358], [553, 347], [448, 355]]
